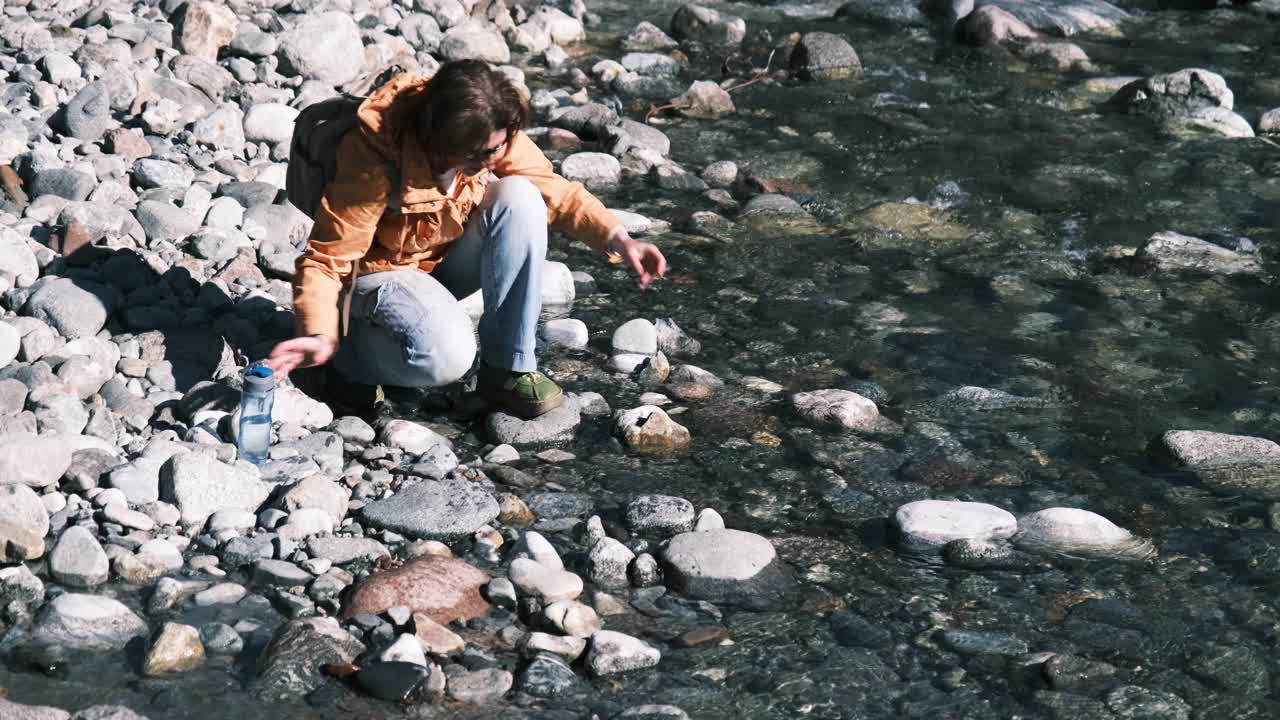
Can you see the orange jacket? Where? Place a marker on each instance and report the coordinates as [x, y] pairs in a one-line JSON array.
[[355, 224]]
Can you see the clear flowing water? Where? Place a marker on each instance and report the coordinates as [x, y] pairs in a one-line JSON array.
[[1018, 282]]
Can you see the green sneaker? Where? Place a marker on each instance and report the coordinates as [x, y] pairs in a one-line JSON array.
[[527, 394], [346, 397]]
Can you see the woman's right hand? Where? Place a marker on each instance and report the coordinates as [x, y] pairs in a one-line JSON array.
[[299, 352]]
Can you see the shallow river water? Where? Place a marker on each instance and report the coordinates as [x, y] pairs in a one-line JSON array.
[[971, 223]]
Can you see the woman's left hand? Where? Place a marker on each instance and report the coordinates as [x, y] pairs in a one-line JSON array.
[[645, 259]]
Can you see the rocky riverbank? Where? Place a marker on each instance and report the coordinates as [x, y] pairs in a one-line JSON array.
[[461, 562]]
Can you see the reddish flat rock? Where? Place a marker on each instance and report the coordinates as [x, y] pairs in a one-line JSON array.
[[443, 589]]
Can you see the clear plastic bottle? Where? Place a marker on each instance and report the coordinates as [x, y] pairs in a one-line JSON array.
[[256, 399]]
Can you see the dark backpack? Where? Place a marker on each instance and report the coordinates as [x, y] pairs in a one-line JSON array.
[[317, 133]]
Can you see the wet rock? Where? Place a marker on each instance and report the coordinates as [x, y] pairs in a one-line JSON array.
[[87, 622], [660, 514], [537, 548], [78, 560], [1131, 701], [1067, 673], [572, 618], [982, 554], [825, 56], [927, 525], [839, 409], [637, 336], [289, 667], [321, 47], [594, 170], [434, 510], [176, 648], [16, 711], [24, 522], [555, 427], [395, 681], [1191, 95], [992, 25], [107, 712], [890, 12], [1198, 449], [200, 485], [613, 652], [704, 99], [407, 649], [1071, 530], [652, 712], [673, 340], [768, 205], [547, 676], [443, 589], [1060, 56], [981, 642], [727, 567], [648, 430], [1269, 123], [569, 333], [609, 560], [853, 631], [1236, 669], [343, 550], [971, 398], [20, 586], [547, 584], [1174, 252], [481, 686], [647, 37], [704, 25], [221, 594]]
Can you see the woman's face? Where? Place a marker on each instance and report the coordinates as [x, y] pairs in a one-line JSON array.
[[480, 158]]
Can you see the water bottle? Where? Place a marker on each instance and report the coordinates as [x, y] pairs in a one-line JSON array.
[[256, 398]]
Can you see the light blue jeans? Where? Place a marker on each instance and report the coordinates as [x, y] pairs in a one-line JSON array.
[[407, 328]]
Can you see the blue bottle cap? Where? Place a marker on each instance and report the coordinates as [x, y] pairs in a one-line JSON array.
[[259, 379]]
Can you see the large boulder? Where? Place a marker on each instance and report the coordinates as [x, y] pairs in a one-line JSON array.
[[448, 509], [930, 524], [825, 56], [87, 622], [32, 460], [206, 28], [75, 308], [322, 47], [1174, 252], [728, 567], [200, 485], [443, 589], [1064, 17]]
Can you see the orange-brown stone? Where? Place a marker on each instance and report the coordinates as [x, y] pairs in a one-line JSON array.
[[443, 589]]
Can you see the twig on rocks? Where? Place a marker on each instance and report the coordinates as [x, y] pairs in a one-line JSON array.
[[764, 74]]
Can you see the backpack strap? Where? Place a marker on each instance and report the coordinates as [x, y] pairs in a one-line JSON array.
[[393, 192]]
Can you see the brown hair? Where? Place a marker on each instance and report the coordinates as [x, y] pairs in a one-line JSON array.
[[465, 103]]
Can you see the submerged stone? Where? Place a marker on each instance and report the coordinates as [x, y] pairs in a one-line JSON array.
[[729, 567], [930, 524]]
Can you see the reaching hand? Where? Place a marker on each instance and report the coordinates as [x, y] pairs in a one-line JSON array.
[[301, 352], [645, 259]]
